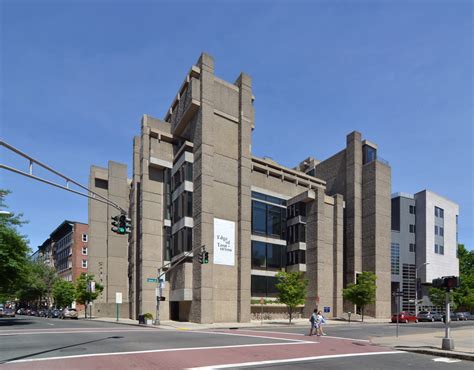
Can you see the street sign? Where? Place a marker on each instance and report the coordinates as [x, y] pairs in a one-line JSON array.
[[151, 280], [118, 297], [327, 309]]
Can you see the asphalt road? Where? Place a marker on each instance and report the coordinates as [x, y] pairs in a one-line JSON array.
[[37, 343]]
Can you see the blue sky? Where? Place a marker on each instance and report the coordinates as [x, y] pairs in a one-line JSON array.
[[76, 77]]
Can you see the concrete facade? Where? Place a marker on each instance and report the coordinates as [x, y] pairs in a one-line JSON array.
[[108, 252], [364, 181], [195, 183]]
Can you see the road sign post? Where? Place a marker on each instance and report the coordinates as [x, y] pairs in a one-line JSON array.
[[398, 295], [118, 301]]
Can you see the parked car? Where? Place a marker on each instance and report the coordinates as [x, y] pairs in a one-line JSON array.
[[463, 315], [429, 316], [42, 313], [69, 313], [20, 311], [9, 312], [405, 317], [452, 316], [54, 313]]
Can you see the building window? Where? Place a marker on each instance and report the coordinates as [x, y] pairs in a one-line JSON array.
[[436, 230], [183, 206], [263, 286], [412, 210], [84, 264], [396, 214], [441, 231], [268, 219], [296, 233], [297, 209], [439, 212], [84, 251], [441, 249], [412, 247], [395, 259], [369, 154], [412, 228], [182, 241], [436, 249], [84, 238], [296, 257], [266, 256]]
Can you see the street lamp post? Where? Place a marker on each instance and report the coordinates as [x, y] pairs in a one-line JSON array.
[[416, 287]]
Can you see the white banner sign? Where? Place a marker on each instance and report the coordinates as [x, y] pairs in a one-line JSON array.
[[224, 242], [118, 297]]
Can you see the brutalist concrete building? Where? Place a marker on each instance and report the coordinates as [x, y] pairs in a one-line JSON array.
[[196, 183]]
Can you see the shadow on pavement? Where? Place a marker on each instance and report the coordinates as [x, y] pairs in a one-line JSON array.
[[57, 349], [11, 321]]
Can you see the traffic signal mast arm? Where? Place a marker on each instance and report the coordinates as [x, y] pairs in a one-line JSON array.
[[90, 194], [161, 273]]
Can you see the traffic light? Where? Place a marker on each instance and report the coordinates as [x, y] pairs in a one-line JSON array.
[[448, 282], [116, 224], [121, 224], [201, 258], [206, 257]]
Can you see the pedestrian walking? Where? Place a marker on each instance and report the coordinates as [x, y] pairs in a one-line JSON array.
[[313, 320], [321, 321]]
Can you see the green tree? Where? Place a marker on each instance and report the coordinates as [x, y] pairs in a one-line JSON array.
[[464, 295], [291, 288], [437, 296], [362, 293], [13, 251], [64, 293], [84, 294]]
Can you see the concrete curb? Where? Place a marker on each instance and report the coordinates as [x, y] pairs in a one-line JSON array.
[[437, 352]]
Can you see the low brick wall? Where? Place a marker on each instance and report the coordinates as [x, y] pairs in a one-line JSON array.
[[274, 312]]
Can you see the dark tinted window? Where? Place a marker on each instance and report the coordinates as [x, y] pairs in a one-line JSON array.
[[258, 255], [369, 154], [259, 221], [396, 214]]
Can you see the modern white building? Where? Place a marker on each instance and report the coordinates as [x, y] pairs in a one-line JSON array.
[[424, 245]]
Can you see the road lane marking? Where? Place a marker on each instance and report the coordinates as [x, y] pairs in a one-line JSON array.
[[299, 334], [446, 360], [251, 336], [155, 351], [271, 362]]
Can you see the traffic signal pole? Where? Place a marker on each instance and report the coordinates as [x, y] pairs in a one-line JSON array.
[[447, 342], [85, 192]]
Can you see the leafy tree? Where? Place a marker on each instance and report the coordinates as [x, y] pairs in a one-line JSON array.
[[64, 293], [83, 291], [291, 288], [13, 251], [363, 292], [437, 296], [464, 295]]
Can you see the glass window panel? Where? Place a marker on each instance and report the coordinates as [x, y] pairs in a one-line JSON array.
[[271, 288], [258, 286], [274, 256], [274, 221], [259, 217], [258, 255]]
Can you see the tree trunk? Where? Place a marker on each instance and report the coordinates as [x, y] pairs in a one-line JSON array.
[[362, 311], [290, 310]]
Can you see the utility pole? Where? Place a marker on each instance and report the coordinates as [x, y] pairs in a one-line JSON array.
[[447, 342]]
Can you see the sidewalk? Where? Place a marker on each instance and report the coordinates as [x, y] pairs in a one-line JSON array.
[[430, 343]]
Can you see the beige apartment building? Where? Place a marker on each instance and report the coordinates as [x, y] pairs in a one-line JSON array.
[[195, 183]]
